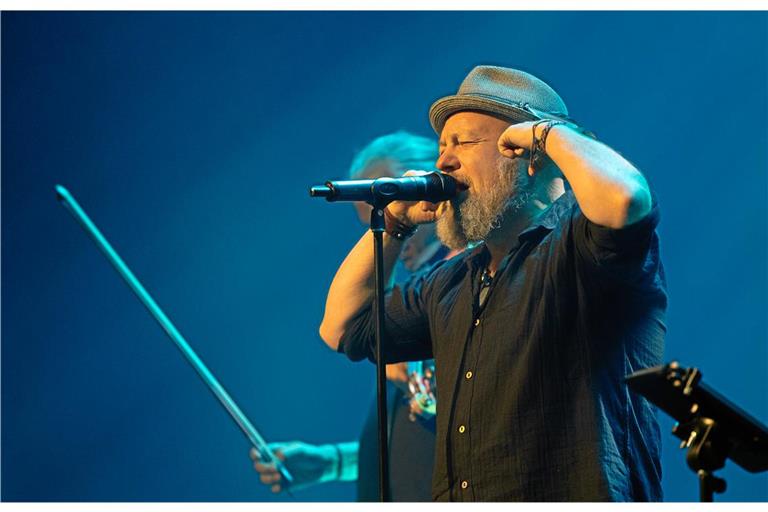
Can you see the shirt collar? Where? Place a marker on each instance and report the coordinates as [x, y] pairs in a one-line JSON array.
[[478, 256], [551, 217]]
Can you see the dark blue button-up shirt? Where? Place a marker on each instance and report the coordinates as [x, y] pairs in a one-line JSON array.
[[531, 400]]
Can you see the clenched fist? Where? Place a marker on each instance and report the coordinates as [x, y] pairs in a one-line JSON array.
[[412, 213]]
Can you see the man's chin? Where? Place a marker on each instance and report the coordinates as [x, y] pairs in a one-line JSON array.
[[448, 228]]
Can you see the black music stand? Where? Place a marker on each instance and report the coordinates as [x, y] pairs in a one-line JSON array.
[[711, 427]]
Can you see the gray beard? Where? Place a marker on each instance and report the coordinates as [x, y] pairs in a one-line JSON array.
[[473, 219]]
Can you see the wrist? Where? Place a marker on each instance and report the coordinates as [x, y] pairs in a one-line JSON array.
[[562, 129], [398, 228], [331, 456], [540, 131], [348, 462]]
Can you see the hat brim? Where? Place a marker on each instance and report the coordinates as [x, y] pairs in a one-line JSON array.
[[443, 108]]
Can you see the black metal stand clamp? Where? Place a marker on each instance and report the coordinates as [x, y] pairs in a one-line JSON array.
[[711, 428], [705, 454]]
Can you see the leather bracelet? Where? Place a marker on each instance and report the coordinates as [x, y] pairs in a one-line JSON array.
[[539, 144], [397, 229]]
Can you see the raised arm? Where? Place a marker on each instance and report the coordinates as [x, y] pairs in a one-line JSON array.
[[352, 288], [610, 191]]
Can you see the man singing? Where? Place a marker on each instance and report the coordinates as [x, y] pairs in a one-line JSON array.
[[534, 328]]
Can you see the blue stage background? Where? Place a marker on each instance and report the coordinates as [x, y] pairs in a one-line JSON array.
[[191, 139]]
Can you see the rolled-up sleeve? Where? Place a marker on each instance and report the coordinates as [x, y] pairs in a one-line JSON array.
[[406, 324], [629, 254]]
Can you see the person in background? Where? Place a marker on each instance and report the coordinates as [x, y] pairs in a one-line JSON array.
[[411, 386]]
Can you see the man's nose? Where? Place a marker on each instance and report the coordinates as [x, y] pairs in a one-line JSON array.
[[447, 162]]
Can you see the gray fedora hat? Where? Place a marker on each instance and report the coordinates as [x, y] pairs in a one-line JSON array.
[[508, 93]]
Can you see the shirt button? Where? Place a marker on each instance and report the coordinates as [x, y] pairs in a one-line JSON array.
[[468, 375], [477, 322], [464, 484], [462, 428]]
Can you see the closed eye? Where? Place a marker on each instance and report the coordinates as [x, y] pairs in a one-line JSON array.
[[458, 142]]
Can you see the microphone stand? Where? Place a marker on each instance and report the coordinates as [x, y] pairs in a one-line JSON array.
[[379, 193], [381, 196], [378, 228]]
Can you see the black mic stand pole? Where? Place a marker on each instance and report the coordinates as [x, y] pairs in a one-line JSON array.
[[378, 228], [383, 191]]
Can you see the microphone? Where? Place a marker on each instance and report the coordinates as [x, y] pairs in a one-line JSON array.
[[433, 187]]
